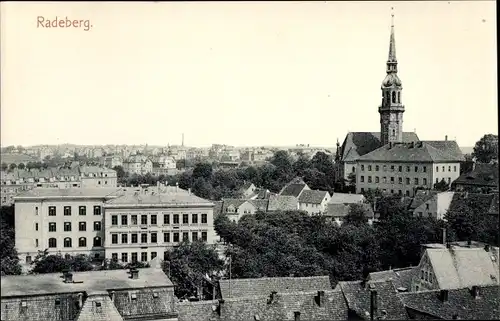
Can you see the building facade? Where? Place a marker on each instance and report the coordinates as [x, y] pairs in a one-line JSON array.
[[95, 176], [138, 164]]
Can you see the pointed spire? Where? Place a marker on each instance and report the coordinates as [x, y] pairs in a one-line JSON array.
[[392, 41]]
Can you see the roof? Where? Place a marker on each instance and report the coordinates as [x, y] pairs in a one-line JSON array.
[[235, 202], [494, 205], [337, 210], [247, 185], [96, 169], [344, 198], [168, 196], [105, 312], [357, 144], [261, 205], [448, 146], [138, 158], [293, 189], [83, 192], [312, 197], [460, 267], [50, 283], [400, 278], [282, 203], [479, 202], [9, 158], [461, 303], [422, 196], [481, 175], [359, 301], [410, 152], [240, 288]]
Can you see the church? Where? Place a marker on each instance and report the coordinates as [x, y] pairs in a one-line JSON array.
[[392, 160]]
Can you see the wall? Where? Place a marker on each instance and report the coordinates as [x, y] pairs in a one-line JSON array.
[[451, 172], [422, 283], [40, 308], [145, 302]]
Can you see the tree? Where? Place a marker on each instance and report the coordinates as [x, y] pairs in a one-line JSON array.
[[202, 170], [8, 254], [486, 149], [357, 215], [12, 166], [21, 166], [441, 186], [45, 263], [120, 172], [4, 166]]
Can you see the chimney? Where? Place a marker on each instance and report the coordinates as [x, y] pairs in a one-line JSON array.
[[443, 295], [446, 137], [444, 235], [373, 305], [475, 291], [68, 277], [320, 298], [272, 297], [134, 273], [112, 296]]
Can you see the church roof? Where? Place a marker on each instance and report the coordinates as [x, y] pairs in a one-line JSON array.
[[357, 144]]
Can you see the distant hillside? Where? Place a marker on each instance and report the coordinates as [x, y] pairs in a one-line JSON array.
[[9, 158], [467, 150]]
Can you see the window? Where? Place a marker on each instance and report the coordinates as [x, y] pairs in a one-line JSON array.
[[52, 227], [36, 226], [28, 260], [82, 242], [427, 206], [392, 180], [369, 179], [67, 210], [392, 168], [454, 168], [361, 179], [36, 210], [400, 192], [353, 169], [384, 180], [369, 168], [114, 219], [400, 168], [124, 257], [124, 238], [204, 236], [362, 190], [134, 238], [185, 219], [424, 168], [424, 181], [144, 256], [362, 167], [153, 255], [195, 236], [407, 181], [420, 214], [194, 219], [154, 238], [134, 257], [176, 237], [166, 219], [437, 168], [416, 181], [185, 236], [154, 220], [408, 168], [52, 211], [97, 226], [67, 242], [144, 238], [114, 238], [124, 220], [437, 180], [52, 242], [114, 257], [97, 210], [377, 168], [449, 180], [144, 220], [400, 180], [442, 168], [392, 191], [449, 168], [204, 219], [176, 218], [422, 274], [416, 169], [67, 226], [166, 237], [377, 179], [407, 193], [82, 210], [384, 168], [133, 219], [97, 241]]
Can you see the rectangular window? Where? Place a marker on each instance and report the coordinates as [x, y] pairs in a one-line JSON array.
[[424, 181], [362, 179], [82, 226], [166, 219], [67, 226], [114, 238], [133, 219], [52, 211], [82, 210], [407, 181], [437, 168], [384, 180], [424, 169], [134, 257], [195, 236], [36, 210], [204, 219], [124, 257], [204, 236], [176, 237], [449, 168], [377, 180], [369, 168], [144, 256], [124, 220], [185, 219], [420, 214], [114, 219], [384, 167], [166, 237], [437, 180], [427, 206], [416, 169], [134, 238], [362, 167], [185, 236], [407, 193], [408, 168], [400, 180], [153, 255], [144, 238], [67, 210], [97, 226], [369, 179], [154, 220], [442, 168], [194, 219], [392, 180], [144, 220], [154, 238], [449, 180], [114, 257], [97, 210], [454, 168], [124, 238], [176, 218], [377, 168], [392, 168], [52, 227], [416, 181]]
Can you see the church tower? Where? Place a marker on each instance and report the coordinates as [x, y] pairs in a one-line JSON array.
[[391, 110]]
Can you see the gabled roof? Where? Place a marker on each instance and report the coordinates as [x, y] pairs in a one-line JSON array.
[[357, 144], [479, 202], [344, 198], [494, 205], [312, 197], [234, 202], [482, 175], [293, 189], [400, 278], [98, 307], [461, 303], [341, 210], [282, 203], [422, 196], [448, 146], [241, 288], [409, 152], [260, 205]]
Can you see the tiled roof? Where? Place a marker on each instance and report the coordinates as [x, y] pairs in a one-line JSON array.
[[95, 192], [99, 307], [40, 308], [145, 303], [409, 152], [241, 288], [461, 303], [460, 267], [400, 278], [235, 202], [494, 205], [337, 210], [481, 175], [479, 202], [358, 299], [422, 196], [293, 190], [261, 205], [96, 169], [177, 197], [357, 144], [51, 283], [282, 203], [344, 198], [448, 146], [139, 158], [312, 197], [247, 185]]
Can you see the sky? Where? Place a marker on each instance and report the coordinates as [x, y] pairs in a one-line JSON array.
[[243, 73]]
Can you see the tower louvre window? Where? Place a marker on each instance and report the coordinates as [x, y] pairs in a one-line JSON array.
[[394, 97]]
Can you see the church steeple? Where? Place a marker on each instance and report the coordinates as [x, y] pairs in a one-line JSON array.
[[391, 110]]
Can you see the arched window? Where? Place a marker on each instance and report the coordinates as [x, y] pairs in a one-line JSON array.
[[67, 242], [97, 241], [387, 97], [52, 242], [394, 97], [82, 242], [399, 97]]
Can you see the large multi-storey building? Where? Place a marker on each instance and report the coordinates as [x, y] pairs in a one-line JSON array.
[[138, 164], [109, 222], [96, 176]]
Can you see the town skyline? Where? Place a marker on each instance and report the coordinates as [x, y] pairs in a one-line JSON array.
[[245, 84]]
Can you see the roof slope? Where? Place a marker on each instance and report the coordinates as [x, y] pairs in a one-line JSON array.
[[481, 175], [409, 152], [293, 189], [99, 307], [344, 198], [282, 203], [312, 197], [448, 146], [421, 197]]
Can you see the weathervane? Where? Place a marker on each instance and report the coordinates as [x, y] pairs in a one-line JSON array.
[[392, 16]]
